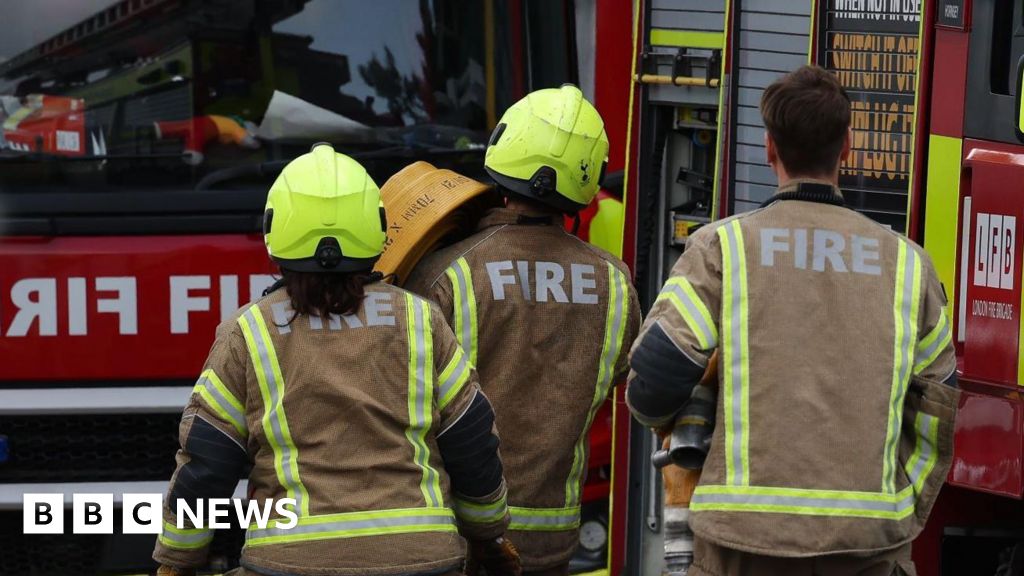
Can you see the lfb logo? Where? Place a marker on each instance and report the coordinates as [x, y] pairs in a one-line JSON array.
[[995, 247]]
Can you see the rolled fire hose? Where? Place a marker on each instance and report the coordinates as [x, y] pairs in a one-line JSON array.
[[428, 208]]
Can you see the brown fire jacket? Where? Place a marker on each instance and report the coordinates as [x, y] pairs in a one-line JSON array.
[[836, 372], [547, 319], [344, 416]]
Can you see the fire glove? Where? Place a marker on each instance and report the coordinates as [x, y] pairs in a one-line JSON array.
[[493, 557], [166, 570]]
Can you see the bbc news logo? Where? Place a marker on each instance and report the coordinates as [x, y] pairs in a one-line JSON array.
[[995, 247], [143, 513]]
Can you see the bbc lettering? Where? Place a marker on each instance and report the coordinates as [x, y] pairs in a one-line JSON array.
[[92, 513], [995, 247], [143, 513]]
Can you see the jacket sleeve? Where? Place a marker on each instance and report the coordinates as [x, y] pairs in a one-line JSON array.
[[213, 455], [468, 441], [934, 355], [679, 335]]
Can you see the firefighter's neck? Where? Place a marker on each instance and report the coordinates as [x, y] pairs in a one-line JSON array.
[[785, 178], [526, 207]]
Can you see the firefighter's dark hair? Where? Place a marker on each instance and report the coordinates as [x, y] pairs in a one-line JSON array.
[[318, 294], [807, 114]]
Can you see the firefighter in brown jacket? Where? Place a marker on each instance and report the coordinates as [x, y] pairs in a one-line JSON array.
[[351, 400], [546, 318], [836, 371]]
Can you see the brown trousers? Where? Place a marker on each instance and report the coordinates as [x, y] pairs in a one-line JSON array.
[[712, 560]]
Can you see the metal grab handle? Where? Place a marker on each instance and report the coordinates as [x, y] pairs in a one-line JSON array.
[[677, 81]]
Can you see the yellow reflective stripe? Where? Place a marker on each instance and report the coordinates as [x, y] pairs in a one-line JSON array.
[[477, 513], [218, 398], [906, 289], [272, 388], [453, 378], [421, 395], [836, 503], [735, 354], [685, 39], [933, 344], [681, 294], [184, 538], [465, 307], [544, 519], [354, 525], [922, 461], [614, 333]]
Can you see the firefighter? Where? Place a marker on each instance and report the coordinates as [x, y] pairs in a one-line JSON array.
[[837, 382], [546, 318], [347, 396]]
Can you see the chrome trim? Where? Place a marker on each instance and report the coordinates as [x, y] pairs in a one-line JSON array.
[[134, 400], [11, 495]]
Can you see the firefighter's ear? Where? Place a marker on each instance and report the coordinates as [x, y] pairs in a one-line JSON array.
[[847, 146], [771, 153]]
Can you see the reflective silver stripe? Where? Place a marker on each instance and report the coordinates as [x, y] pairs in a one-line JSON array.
[[823, 505], [198, 536], [420, 416], [349, 528], [733, 350], [223, 403], [706, 333], [456, 376], [941, 340], [925, 452], [481, 513], [542, 519], [465, 290], [617, 306], [904, 353], [272, 414]]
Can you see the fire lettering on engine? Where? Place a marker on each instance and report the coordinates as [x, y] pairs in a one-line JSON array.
[[995, 310], [190, 294], [35, 305]]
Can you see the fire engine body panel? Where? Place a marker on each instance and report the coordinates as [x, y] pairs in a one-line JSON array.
[[937, 154], [136, 149]]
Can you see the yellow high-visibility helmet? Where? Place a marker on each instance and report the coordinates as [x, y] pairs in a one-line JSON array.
[[550, 146], [324, 214]]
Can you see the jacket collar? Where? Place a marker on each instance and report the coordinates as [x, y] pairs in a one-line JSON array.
[[808, 190], [506, 217]]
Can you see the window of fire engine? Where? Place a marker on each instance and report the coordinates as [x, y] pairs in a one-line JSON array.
[[145, 95], [1007, 45]]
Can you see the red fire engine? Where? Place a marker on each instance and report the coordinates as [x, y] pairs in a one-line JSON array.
[[938, 155], [138, 140]]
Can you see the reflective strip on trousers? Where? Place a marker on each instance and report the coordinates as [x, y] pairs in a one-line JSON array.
[[221, 401], [922, 461], [354, 525], [421, 395], [735, 351], [184, 538], [684, 298], [272, 389], [544, 519], [464, 307], [614, 331], [477, 513], [452, 378], [804, 502], [906, 298], [933, 344]]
